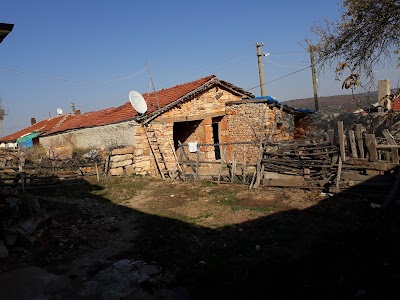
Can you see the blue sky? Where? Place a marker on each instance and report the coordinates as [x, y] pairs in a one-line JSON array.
[[93, 52]]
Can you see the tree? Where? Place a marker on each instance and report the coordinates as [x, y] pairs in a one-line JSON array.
[[368, 34]]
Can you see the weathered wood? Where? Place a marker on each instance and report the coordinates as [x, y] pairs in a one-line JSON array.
[[107, 164], [353, 145], [360, 140], [222, 163], [339, 171], [389, 138], [233, 169], [187, 158], [341, 138], [394, 147], [370, 141], [97, 171]]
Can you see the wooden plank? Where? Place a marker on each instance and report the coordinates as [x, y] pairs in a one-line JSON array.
[[394, 147], [341, 140], [353, 145], [192, 118], [359, 139], [233, 169], [339, 171], [370, 141], [389, 138]]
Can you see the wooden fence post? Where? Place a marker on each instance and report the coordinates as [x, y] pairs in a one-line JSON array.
[[360, 140], [389, 138], [353, 144], [370, 141], [341, 140]]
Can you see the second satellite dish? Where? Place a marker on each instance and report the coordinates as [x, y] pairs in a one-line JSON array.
[[59, 111], [138, 102]]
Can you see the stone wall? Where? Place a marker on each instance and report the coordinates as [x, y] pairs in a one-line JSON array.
[[100, 137], [202, 111], [244, 125]]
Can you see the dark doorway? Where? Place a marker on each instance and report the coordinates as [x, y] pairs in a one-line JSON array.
[[183, 130], [216, 135]]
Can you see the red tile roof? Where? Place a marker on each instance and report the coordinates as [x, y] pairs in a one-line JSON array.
[[42, 126], [396, 104], [126, 112]]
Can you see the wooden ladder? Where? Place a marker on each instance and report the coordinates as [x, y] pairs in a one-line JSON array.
[[156, 151]]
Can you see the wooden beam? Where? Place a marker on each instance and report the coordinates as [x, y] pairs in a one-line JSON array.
[[389, 138], [339, 172], [341, 140], [353, 144], [359, 139], [193, 118], [370, 141]]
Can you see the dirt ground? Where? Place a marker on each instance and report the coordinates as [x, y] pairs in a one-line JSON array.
[[218, 240]]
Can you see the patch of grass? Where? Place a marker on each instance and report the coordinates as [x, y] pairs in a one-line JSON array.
[[115, 189]]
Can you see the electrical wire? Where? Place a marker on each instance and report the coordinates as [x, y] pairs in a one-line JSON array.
[[281, 65], [305, 68], [206, 66], [69, 80], [290, 52]]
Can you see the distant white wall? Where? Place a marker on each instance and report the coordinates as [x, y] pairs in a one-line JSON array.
[[100, 137]]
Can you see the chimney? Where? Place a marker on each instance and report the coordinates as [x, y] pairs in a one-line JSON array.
[[33, 121], [383, 91], [77, 112]]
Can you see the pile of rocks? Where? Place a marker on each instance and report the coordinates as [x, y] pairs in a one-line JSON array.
[[128, 161]]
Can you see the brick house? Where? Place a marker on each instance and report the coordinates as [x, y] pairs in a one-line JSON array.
[[206, 111], [396, 104]]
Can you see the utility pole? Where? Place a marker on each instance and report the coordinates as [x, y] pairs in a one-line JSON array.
[[260, 54], [314, 77]]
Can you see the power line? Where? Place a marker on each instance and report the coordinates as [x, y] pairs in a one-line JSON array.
[[289, 52], [206, 66], [280, 77], [282, 65], [68, 80]]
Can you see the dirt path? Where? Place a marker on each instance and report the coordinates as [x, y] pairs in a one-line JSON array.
[[217, 241]]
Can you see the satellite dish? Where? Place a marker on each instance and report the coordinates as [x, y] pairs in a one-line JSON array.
[[59, 111], [138, 102]]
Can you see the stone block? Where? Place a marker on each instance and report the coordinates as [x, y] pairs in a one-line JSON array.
[[145, 165], [117, 158], [121, 163], [117, 171], [130, 170], [125, 150]]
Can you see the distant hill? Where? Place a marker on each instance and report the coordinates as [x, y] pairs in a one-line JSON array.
[[338, 103]]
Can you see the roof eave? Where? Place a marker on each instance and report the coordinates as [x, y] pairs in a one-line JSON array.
[[209, 84]]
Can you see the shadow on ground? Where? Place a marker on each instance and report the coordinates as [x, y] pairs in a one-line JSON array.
[[340, 248]]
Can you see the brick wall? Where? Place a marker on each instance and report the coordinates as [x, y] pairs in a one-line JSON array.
[[396, 104]]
